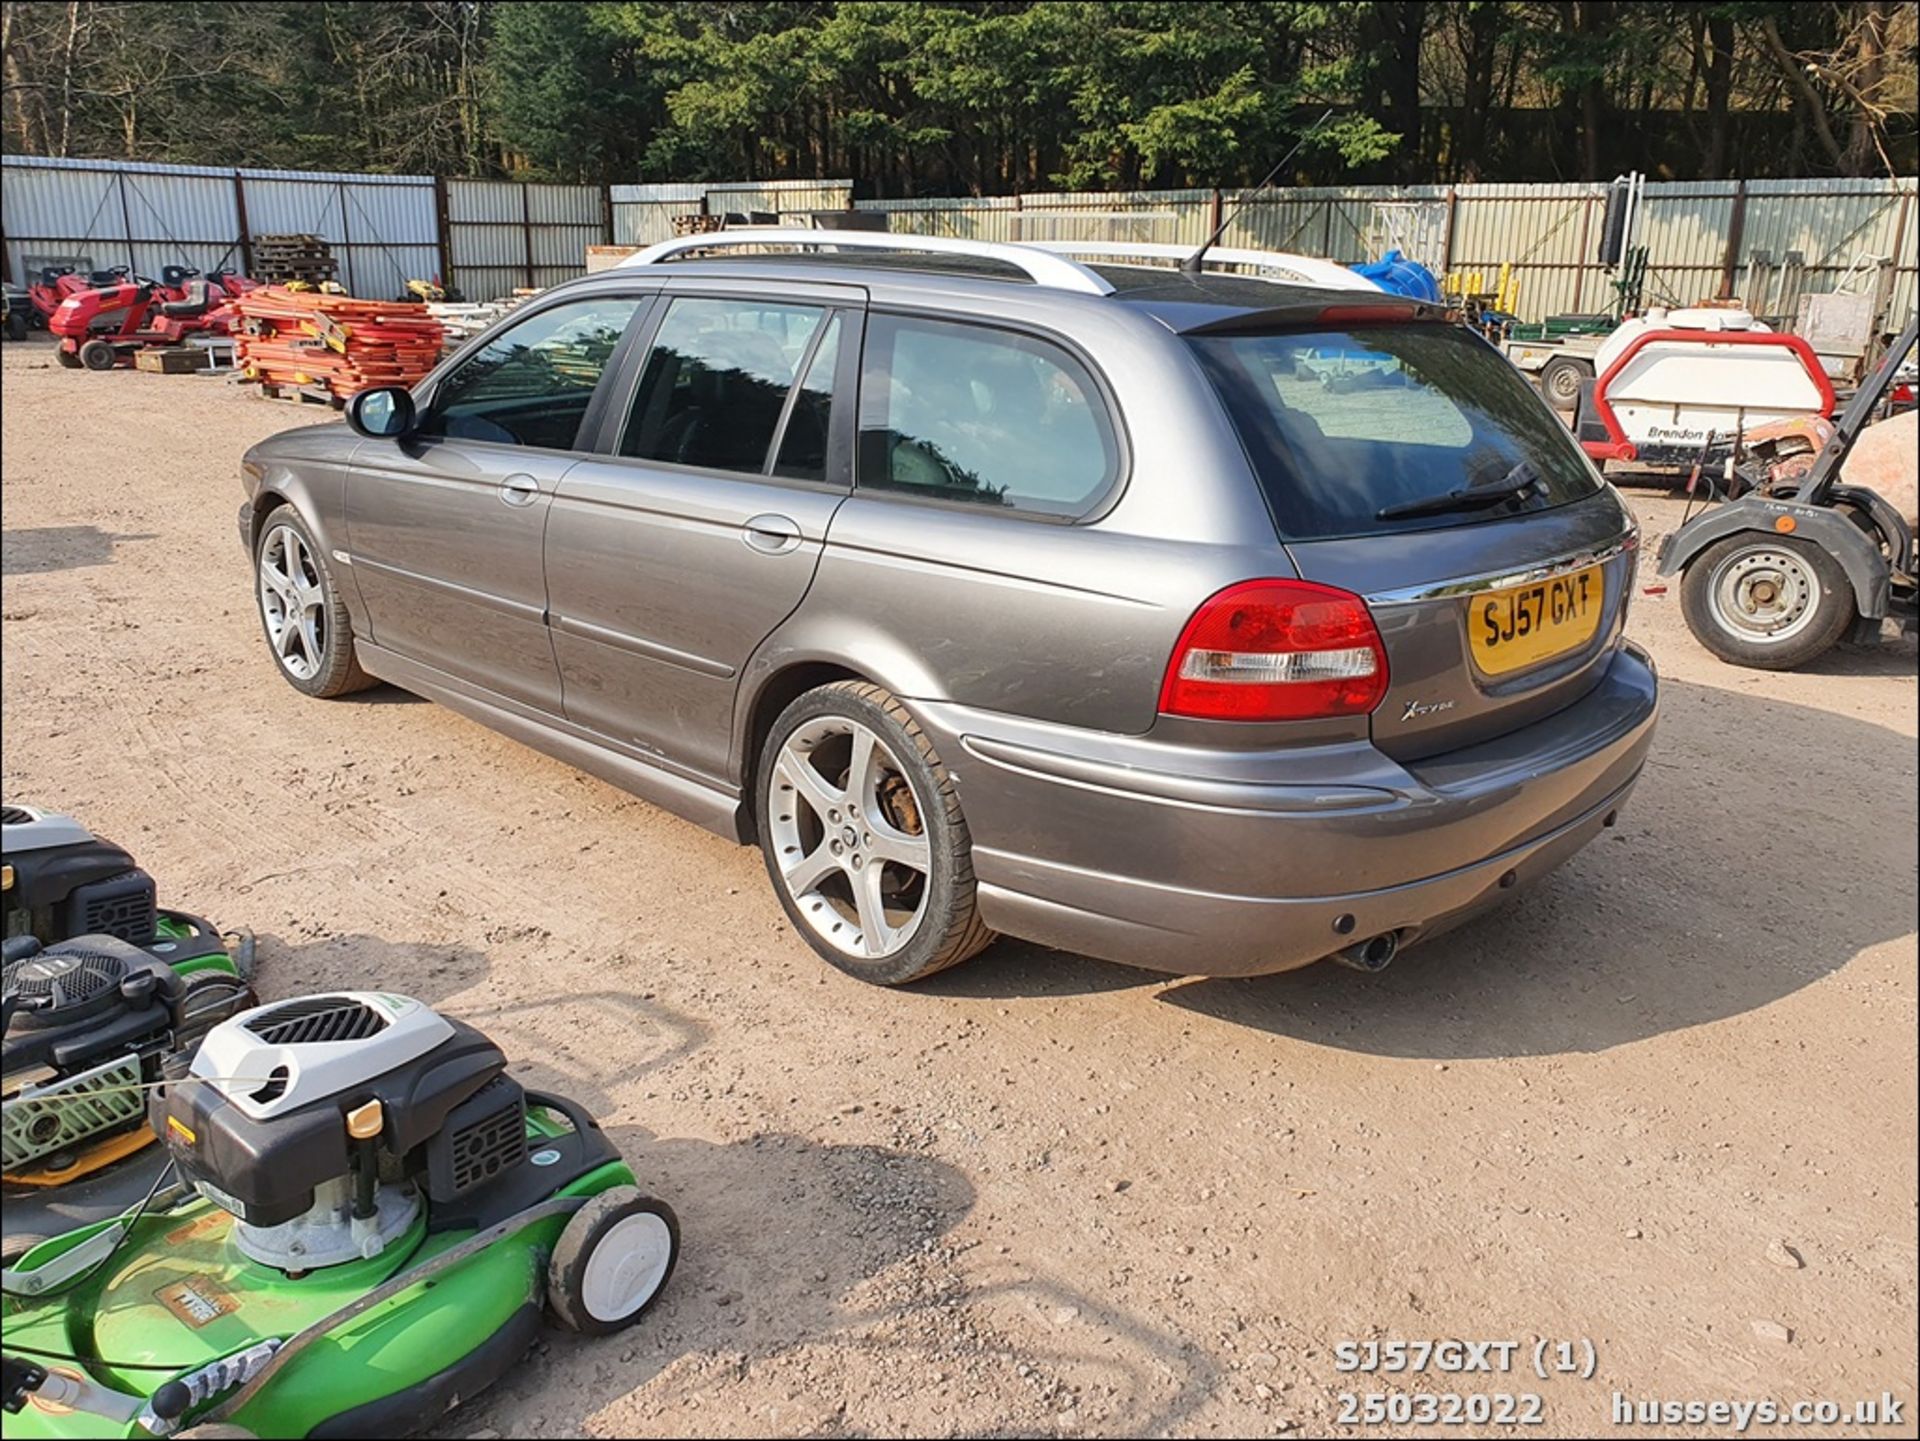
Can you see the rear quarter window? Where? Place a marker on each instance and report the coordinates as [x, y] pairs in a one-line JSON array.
[[981, 416], [1342, 425]]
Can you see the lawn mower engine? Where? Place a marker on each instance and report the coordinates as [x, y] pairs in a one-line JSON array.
[[370, 1220], [88, 1023], [323, 1124], [62, 881]]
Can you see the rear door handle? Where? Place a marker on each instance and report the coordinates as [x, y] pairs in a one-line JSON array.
[[771, 534], [519, 490]]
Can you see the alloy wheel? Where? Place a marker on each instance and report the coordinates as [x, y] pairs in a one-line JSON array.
[[849, 836], [293, 602]]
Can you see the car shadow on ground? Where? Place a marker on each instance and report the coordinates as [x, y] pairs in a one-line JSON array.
[[59, 547], [1795, 825], [381, 694]]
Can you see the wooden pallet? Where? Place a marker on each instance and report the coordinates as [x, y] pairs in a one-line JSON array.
[[303, 395], [283, 274], [291, 245], [280, 258]]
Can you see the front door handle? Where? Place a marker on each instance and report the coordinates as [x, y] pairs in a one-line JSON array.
[[771, 534], [519, 490]]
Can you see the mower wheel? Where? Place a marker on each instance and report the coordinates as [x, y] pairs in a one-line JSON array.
[[306, 623], [1769, 602], [16, 325], [215, 1431], [613, 1261], [99, 355], [67, 358]]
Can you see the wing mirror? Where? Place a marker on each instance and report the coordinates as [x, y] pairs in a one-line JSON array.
[[383, 414]]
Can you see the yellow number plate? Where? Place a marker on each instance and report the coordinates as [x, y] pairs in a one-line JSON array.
[[1526, 624]]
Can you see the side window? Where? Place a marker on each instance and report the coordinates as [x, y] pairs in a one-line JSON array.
[[970, 413], [716, 383], [530, 385], [803, 445]]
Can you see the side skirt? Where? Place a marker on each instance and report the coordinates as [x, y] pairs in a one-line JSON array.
[[704, 804]]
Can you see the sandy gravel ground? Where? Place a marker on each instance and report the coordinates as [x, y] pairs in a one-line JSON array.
[[1041, 1194]]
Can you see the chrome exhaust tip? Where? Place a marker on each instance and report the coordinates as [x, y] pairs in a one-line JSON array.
[[1372, 955]]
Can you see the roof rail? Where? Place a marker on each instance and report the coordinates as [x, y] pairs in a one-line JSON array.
[[1040, 266], [1293, 269]]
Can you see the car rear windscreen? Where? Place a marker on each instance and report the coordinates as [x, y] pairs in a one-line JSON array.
[[1343, 425]]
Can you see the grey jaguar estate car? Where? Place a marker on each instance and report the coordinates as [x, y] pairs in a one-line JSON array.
[[1201, 622]]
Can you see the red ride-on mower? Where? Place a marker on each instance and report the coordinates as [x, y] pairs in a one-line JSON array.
[[54, 283], [224, 284], [102, 328], [233, 283]]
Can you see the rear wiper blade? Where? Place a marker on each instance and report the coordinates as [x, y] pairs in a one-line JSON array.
[[1470, 497]]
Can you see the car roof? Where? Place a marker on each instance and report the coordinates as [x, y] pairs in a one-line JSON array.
[[1210, 302]]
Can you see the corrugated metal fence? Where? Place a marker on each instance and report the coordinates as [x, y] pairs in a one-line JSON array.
[[502, 236], [487, 238], [1700, 237], [643, 214], [98, 214]]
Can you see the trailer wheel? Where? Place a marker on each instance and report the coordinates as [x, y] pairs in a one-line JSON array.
[[1766, 601], [99, 355], [1561, 379]]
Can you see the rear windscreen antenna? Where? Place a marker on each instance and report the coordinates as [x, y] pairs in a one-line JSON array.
[[1191, 265]]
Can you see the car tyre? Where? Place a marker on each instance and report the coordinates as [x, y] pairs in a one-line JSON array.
[[612, 1261], [1768, 602], [884, 890], [308, 630]]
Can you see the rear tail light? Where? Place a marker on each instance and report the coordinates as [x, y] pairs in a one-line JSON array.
[[1271, 650]]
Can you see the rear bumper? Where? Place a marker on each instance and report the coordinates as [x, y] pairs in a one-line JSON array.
[[1217, 863]]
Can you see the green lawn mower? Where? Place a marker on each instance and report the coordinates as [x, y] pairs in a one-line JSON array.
[[100, 987], [369, 1219]]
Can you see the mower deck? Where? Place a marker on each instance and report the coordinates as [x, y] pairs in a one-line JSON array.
[[179, 1296]]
